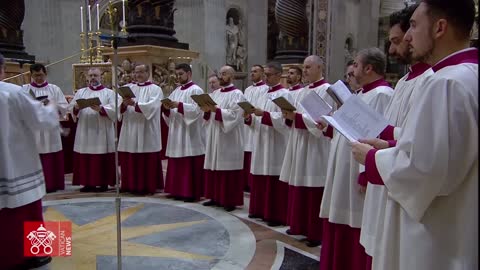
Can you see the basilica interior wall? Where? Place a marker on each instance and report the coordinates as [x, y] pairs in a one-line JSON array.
[[51, 33]]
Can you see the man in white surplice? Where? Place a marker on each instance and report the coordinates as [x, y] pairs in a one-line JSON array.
[[431, 174], [22, 185], [252, 94], [186, 139], [49, 143], [140, 136], [268, 195], [396, 113], [224, 145], [94, 157], [342, 203], [306, 156]]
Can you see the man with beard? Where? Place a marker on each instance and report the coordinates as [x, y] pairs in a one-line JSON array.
[[431, 174], [186, 143], [224, 145], [268, 196], [139, 145], [294, 78], [342, 204], [49, 143], [94, 157], [252, 94], [396, 112], [306, 156], [350, 78]]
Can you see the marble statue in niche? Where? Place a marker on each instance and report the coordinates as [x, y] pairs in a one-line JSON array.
[[232, 42]]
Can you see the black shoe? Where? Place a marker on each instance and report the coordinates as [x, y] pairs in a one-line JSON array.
[[289, 232], [273, 224], [209, 203], [170, 196], [253, 216], [189, 200], [313, 243], [36, 262], [229, 208], [102, 189], [87, 189]]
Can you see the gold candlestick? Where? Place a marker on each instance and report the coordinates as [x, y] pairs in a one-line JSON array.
[[83, 57], [99, 57], [91, 56]]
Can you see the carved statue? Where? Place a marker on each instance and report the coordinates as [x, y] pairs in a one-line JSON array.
[[232, 42], [125, 72]]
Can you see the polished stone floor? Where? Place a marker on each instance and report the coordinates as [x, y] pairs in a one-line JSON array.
[[160, 233]]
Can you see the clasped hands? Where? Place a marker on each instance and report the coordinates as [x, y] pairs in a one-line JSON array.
[[360, 149]]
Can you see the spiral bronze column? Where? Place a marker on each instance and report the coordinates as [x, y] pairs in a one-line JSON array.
[[292, 43], [11, 35]]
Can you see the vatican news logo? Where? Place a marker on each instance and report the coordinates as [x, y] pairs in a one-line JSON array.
[[50, 238]]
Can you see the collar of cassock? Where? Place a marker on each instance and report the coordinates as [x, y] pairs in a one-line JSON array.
[[260, 83], [296, 87], [96, 88], [374, 84], [229, 88], [34, 84], [187, 85], [275, 88], [317, 83], [469, 55], [147, 83], [417, 70]]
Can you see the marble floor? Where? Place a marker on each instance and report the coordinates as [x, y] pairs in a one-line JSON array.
[[161, 233]]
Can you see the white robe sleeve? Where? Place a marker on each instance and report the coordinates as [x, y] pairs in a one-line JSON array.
[[151, 107], [435, 153], [191, 111], [35, 115], [61, 102], [233, 116], [110, 106]]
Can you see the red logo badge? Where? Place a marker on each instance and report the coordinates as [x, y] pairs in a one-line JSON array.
[[49, 238]]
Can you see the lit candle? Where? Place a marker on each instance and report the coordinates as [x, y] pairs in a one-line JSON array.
[[89, 19], [98, 18], [123, 9], [81, 19]]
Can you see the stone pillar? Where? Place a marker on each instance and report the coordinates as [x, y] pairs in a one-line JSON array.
[[292, 44], [11, 35], [257, 32]]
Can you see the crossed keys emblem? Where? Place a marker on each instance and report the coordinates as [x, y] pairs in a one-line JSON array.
[[41, 238]]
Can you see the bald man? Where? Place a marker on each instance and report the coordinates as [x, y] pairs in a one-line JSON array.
[[94, 158], [224, 145], [306, 157]]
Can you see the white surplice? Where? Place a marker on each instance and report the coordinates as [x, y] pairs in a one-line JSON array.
[[306, 155], [269, 142], [48, 141], [95, 133], [376, 195], [342, 203], [21, 177], [224, 140], [252, 94], [431, 215], [186, 135], [140, 132]]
